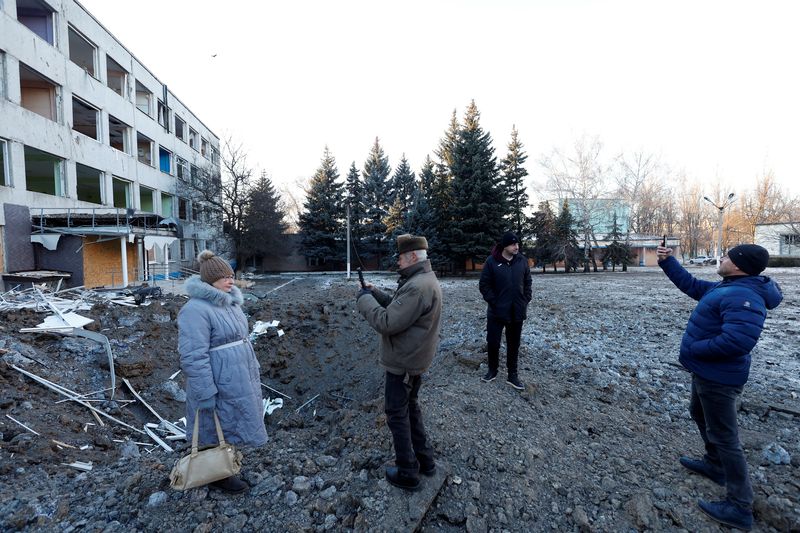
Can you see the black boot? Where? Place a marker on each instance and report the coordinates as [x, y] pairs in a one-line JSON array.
[[400, 479], [231, 485]]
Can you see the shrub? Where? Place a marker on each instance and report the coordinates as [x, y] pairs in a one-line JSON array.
[[783, 261]]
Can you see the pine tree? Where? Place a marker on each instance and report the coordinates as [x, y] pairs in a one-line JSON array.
[[513, 173], [421, 218], [403, 192], [321, 223], [479, 200], [543, 230], [439, 191], [617, 252], [376, 173], [565, 242], [263, 220], [354, 193]]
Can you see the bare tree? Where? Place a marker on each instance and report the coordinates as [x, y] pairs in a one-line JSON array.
[[766, 203], [293, 197], [580, 177]]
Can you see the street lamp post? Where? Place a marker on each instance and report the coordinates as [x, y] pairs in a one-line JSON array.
[[721, 208]]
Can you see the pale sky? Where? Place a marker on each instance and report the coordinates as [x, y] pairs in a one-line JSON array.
[[712, 87]]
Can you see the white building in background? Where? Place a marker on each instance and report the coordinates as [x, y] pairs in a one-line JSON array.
[[93, 149], [780, 239]]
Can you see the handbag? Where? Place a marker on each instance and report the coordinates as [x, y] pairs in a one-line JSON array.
[[202, 467]]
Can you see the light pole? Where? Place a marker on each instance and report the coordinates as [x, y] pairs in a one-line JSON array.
[[728, 201]]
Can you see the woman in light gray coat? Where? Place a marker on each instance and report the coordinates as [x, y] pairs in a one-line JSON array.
[[219, 363]]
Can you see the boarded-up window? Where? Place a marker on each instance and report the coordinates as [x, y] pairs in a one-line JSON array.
[[90, 184], [43, 172], [38, 93]]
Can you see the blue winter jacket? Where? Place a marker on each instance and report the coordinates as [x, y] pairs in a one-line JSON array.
[[725, 325]]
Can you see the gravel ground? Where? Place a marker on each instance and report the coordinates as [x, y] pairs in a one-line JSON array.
[[591, 444]]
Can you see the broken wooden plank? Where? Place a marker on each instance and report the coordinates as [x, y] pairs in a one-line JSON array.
[[23, 425], [63, 444], [80, 465], [157, 439]]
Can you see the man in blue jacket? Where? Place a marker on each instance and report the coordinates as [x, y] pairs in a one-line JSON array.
[[506, 286], [722, 330]]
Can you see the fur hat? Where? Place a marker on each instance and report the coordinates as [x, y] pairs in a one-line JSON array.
[[750, 258], [508, 239], [212, 267], [407, 243]]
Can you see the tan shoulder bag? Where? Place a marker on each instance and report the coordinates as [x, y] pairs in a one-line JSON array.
[[202, 467]]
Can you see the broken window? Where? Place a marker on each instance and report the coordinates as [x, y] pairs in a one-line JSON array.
[[196, 176], [116, 76], [90, 184], [180, 128], [37, 17], [38, 93], [84, 118], [214, 156], [183, 208], [143, 98], [43, 172], [166, 205], [163, 115], [144, 149], [182, 167], [164, 160], [193, 139], [121, 193], [146, 199], [204, 148], [5, 174], [82, 52], [119, 134]]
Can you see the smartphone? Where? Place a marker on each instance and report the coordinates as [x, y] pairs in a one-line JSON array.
[[664, 241], [361, 278]]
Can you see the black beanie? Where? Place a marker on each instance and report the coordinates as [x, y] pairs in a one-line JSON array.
[[750, 258], [508, 239]]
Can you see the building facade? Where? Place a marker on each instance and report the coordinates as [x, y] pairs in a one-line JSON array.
[[781, 239], [96, 154]]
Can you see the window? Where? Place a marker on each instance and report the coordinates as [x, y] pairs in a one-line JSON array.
[[164, 160], [90, 184], [84, 118], [163, 115], [146, 199], [37, 17], [144, 149], [204, 149], [197, 212], [43, 172], [182, 168], [214, 156], [5, 173], [180, 128], [116, 76], [183, 208], [143, 98], [119, 134], [166, 205], [193, 139], [121, 193], [38, 93], [196, 178], [82, 52], [3, 88], [790, 244]]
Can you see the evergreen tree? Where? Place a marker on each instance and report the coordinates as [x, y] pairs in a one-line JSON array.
[[513, 172], [543, 230], [354, 191], [421, 218], [565, 242], [321, 223], [617, 252], [479, 201], [439, 194], [263, 220], [404, 188], [376, 188]]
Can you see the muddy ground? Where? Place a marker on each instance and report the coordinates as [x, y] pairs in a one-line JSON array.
[[591, 444]]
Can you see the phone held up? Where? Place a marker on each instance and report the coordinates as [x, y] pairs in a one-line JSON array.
[[361, 278], [664, 241]]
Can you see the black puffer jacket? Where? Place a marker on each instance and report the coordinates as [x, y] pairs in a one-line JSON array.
[[506, 287]]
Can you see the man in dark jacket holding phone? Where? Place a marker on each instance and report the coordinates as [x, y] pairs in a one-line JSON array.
[[722, 330], [506, 286]]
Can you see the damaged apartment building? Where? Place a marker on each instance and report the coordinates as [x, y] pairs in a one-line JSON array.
[[98, 159]]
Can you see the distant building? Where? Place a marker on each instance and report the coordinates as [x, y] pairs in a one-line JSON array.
[[93, 150], [780, 239]]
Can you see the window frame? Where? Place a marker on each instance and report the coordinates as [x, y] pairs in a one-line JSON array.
[[5, 164], [95, 62]]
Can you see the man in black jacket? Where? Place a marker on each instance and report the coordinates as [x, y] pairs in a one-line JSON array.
[[506, 286]]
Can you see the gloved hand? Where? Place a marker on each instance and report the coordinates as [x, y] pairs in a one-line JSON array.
[[362, 292], [208, 404]]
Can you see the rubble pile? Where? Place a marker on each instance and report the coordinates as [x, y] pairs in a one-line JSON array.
[[590, 445]]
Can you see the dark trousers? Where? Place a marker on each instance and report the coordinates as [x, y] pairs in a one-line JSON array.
[[494, 332], [713, 408], [404, 418]]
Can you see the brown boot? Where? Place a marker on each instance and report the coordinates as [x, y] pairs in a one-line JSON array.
[[232, 485]]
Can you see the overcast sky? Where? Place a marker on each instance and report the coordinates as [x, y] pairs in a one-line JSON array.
[[711, 87]]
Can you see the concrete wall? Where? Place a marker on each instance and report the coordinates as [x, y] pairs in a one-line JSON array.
[[67, 257], [769, 236]]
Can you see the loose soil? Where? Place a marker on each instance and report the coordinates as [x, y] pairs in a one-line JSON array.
[[591, 444]]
